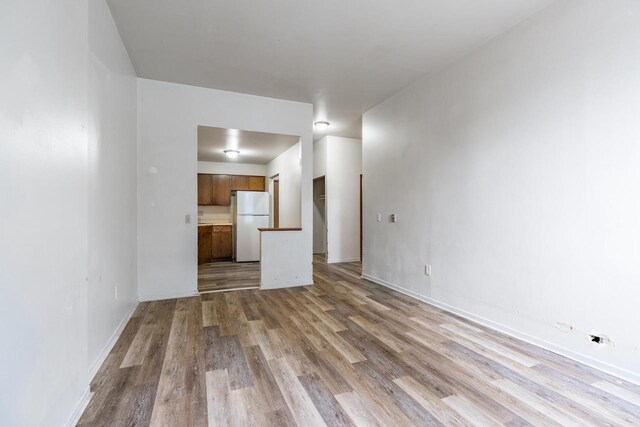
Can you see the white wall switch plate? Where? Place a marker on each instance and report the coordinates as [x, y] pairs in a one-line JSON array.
[[427, 270], [379, 217]]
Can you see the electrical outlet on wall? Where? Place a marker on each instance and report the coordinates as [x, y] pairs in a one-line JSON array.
[[187, 219], [379, 217], [393, 218], [427, 270]]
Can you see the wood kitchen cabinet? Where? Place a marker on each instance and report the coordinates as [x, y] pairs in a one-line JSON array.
[[215, 190], [205, 247], [240, 182], [221, 190], [205, 189], [256, 183], [222, 242], [214, 243]]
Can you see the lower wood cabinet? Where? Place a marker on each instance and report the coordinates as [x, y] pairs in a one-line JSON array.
[[214, 243], [205, 240], [222, 242]]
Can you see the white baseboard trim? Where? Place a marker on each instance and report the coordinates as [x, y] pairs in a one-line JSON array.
[[336, 261], [95, 366], [170, 295], [291, 285], [563, 351], [216, 291], [78, 409]]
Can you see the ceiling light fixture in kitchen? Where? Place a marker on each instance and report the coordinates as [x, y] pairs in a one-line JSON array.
[[232, 154], [321, 126]]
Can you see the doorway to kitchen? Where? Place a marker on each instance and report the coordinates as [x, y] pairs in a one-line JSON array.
[[238, 195]]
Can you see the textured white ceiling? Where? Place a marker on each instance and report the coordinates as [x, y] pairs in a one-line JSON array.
[[344, 56]]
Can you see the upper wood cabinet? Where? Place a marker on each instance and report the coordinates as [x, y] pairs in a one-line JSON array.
[[256, 183], [221, 190], [239, 182], [215, 190], [205, 189]]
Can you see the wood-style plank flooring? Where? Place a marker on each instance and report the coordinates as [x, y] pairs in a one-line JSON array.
[[216, 276], [343, 352]]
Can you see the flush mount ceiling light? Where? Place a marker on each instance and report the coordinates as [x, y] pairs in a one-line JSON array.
[[232, 154], [321, 125]]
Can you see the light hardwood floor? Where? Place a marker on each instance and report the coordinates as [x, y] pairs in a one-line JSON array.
[[343, 352], [223, 275]]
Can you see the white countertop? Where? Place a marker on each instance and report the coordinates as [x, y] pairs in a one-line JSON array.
[[214, 223]]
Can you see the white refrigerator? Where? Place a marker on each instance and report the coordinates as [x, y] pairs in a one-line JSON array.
[[250, 212]]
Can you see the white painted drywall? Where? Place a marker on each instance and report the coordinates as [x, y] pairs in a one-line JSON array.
[[320, 158], [232, 168], [287, 167], [344, 166], [515, 173], [112, 181], [43, 162], [168, 117], [340, 161], [65, 90], [319, 205], [281, 263]]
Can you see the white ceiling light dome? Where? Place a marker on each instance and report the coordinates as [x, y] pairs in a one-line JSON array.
[[321, 125], [232, 154]]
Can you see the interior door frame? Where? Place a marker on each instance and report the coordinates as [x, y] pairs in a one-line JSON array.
[[361, 207], [275, 195]]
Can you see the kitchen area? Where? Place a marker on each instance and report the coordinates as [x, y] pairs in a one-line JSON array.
[[238, 199], [231, 208]]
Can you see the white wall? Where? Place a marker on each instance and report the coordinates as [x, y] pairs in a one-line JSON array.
[[232, 168], [340, 161], [344, 166], [168, 117], [320, 158], [514, 173], [281, 264], [319, 206], [112, 181], [43, 162], [287, 167], [53, 155]]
